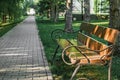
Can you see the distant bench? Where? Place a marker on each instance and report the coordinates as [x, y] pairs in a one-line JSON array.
[[94, 45]]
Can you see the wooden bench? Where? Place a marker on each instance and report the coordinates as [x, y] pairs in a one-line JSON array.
[[94, 45]]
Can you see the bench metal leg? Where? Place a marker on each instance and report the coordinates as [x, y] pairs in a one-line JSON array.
[[109, 70], [55, 53], [75, 71]]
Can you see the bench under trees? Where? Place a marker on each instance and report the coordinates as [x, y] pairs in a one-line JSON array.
[[90, 45]]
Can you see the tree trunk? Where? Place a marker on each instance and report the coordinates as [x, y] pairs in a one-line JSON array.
[[68, 24], [4, 19], [82, 9], [56, 14], [87, 10], [115, 18], [48, 13], [52, 11]]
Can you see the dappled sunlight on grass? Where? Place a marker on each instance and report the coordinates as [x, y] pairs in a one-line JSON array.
[[76, 24], [104, 23], [3, 24]]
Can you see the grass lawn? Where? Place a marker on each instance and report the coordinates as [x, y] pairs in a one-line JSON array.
[[60, 70], [5, 27]]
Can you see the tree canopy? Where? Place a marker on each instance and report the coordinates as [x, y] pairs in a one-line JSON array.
[[51, 8], [10, 9]]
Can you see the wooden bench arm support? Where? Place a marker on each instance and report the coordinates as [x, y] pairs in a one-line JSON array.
[[84, 55], [63, 52]]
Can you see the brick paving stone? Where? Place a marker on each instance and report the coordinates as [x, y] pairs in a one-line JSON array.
[[22, 54]]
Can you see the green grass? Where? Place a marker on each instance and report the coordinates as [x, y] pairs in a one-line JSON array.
[[5, 27], [60, 70]]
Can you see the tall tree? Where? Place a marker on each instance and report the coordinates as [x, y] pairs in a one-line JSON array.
[[44, 7], [54, 10], [115, 18], [51, 7], [82, 8], [57, 6], [68, 16], [11, 9], [87, 10]]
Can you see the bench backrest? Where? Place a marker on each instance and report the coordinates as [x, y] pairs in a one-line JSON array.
[[105, 33], [96, 37]]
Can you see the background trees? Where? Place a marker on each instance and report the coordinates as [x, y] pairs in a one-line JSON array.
[[101, 6], [10, 9], [51, 8]]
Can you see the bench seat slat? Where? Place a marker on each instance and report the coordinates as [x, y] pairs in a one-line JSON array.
[[93, 60]]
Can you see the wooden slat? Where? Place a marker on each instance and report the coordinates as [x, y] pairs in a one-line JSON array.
[[92, 43], [110, 34], [105, 33], [89, 28]]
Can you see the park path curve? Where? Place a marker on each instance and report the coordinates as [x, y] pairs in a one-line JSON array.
[[22, 54]]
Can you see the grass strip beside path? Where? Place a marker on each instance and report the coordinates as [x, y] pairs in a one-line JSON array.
[[5, 27]]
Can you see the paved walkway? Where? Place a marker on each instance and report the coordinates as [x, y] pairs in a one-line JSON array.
[[22, 55]]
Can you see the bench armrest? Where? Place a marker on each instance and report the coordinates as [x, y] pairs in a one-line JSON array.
[[109, 47], [79, 49], [98, 51]]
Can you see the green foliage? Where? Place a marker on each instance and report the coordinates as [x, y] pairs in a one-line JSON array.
[[60, 70], [44, 6], [12, 9], [96, 8], [4, 28], [101, 6]]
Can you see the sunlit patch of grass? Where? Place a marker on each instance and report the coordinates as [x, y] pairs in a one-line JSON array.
[[76, 24], [104, 23], [3, 24], [60, 70]]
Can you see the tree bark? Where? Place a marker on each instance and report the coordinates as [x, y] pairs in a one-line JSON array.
[[52, 11], [115, 19], [3, 18], [87, 10], [115, 14], [56, 13], [68, 24]]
